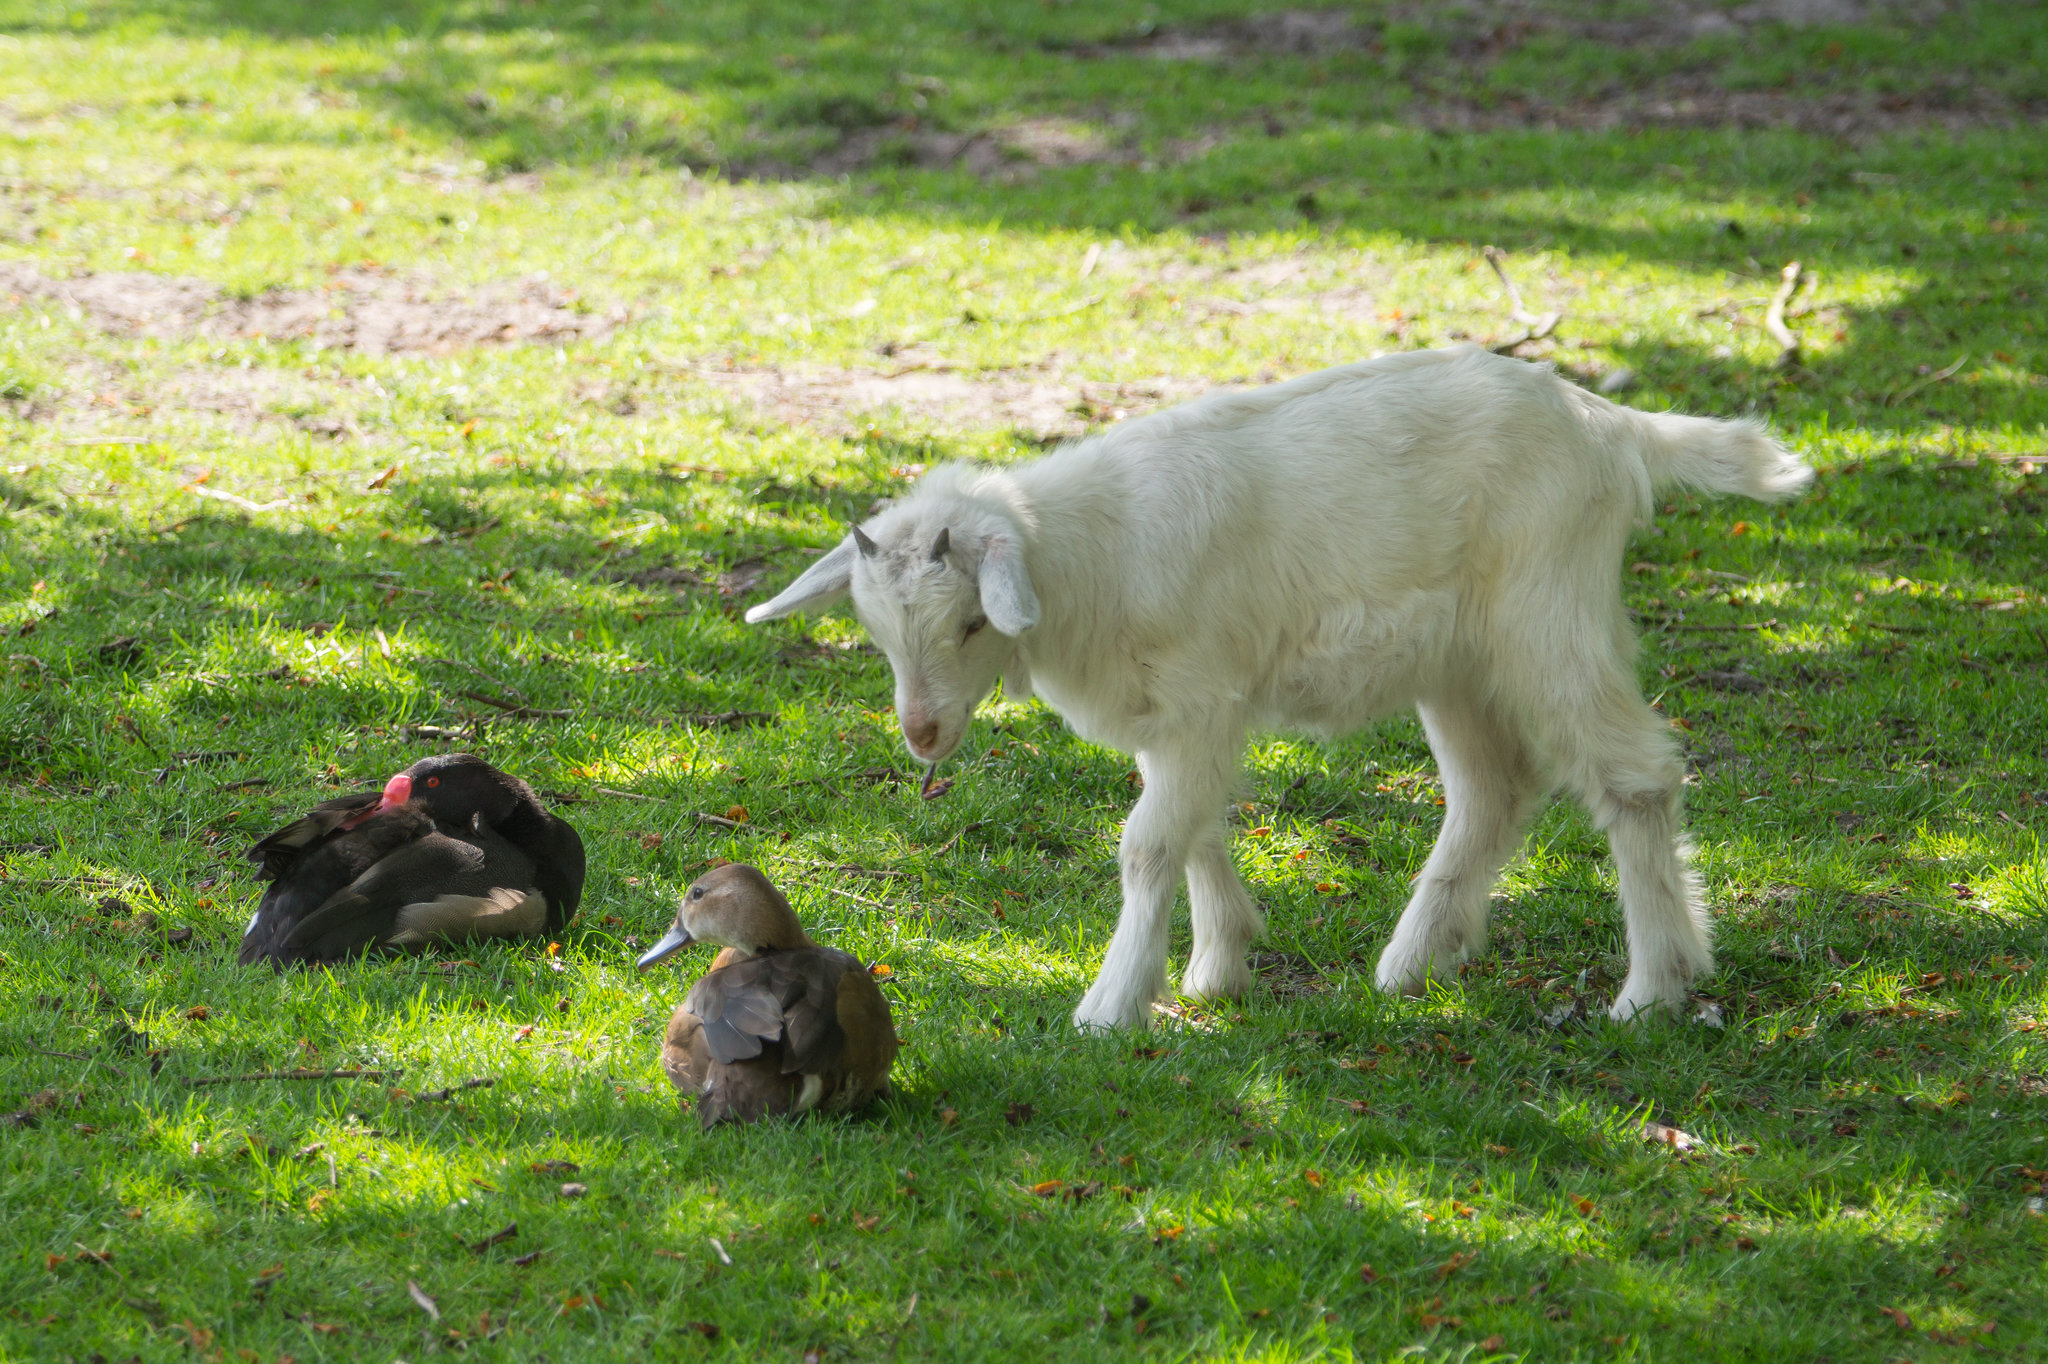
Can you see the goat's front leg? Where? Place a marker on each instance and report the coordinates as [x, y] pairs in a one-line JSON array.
[[1226, 921], [1183, 790]]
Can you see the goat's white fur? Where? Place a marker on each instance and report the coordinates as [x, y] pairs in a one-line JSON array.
[[1440, 529]]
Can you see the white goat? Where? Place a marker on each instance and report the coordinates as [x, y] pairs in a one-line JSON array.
[[1439, 529]]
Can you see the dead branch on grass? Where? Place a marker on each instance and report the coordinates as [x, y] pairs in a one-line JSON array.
[[1774, 318], [515, 708], [1535, 327], [199, 1081], [1939, 376]]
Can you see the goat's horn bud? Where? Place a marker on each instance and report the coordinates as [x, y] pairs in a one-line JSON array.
[[942, 544], [867, 546]]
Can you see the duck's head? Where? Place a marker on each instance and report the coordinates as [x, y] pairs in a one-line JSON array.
[[457, 788], [731, 906]]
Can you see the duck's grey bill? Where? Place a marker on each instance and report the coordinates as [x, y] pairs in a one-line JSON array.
[[675, 942]]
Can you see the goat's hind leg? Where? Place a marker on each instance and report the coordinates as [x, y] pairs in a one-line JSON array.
[[1492, 784], [1183, 791], [1226, 920]]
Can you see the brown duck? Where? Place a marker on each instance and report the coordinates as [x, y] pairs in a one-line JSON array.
[[779, 1025]]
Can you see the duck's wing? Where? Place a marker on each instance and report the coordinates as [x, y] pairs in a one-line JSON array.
[[869, 1049], [434, 888], [319, 871], [558, 871], [812, 978], [740, 1007], [283, 850]]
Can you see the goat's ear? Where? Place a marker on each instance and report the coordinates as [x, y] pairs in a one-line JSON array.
[[821, 584], [1006, 593]]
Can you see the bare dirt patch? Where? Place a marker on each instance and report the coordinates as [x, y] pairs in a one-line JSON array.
[[1478, 33], [359, 310], [1010, 153], [1044, 404]]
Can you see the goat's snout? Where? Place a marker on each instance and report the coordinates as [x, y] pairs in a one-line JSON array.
[[922, 731]]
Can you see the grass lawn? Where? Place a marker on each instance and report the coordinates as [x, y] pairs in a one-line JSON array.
[[385, 378]]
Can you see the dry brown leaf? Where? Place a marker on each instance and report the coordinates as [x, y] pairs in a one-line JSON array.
[[1672, 1137], [1899, 1317]]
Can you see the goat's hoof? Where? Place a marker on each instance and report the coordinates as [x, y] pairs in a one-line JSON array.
[[1409, 974], [1641, 1002], [1103, 1016], [1103, 1026], [1216, 977]]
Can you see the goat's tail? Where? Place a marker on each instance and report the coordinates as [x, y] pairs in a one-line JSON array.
[[1717, 456]]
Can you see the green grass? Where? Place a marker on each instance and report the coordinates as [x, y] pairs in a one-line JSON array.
[[181, 675]]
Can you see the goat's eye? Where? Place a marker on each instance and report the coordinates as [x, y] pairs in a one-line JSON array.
[[973, 628]]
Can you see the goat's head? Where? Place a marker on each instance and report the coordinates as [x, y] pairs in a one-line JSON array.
[[941, 585]]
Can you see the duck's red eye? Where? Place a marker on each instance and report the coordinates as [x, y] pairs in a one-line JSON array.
[[433, 781]]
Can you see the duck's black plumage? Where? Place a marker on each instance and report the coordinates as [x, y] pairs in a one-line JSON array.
[[451, 849]]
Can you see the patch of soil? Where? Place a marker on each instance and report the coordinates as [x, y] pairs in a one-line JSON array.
[[1008, 154], [1477, 32], [1695, 102], [359, 309], [1042, 405]]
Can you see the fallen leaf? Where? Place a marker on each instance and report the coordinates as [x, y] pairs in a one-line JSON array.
[[948, 1116], [1744, 1149], [381, 480], [703, 1328], [1367, 1274], [1494, 1342], [1845, 1129], [737, 814], [524, 1260], [1314, 1178], [198, 1013], [881, 970], [867, 1222], [419, 1296], [1140, 1304], [1899, 1317], [1745, 1243], [555, 1167], [1672, 1137], [575, 1190], [1457, 1262], [1017, 1114], [1585, 1207], [1048, 1188], [497, 1238]]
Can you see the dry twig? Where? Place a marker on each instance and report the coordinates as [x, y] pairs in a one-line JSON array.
[[1774, 318], [236, 499], [197, 1081], [1939, 376], [515, 708], [1535, 328]]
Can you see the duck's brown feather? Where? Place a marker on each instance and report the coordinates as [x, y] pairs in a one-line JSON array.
[[779, 1033]]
